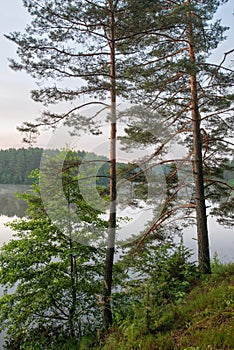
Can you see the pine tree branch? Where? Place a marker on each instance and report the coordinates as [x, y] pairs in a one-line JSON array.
[[219, 182], [224, 58], [161, 220]]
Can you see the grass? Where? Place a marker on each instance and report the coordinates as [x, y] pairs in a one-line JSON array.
[[203, 320]]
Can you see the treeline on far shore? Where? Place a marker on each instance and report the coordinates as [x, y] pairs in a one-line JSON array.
[[17, 164]]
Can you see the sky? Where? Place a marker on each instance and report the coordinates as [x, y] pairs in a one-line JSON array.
[[15, 101]]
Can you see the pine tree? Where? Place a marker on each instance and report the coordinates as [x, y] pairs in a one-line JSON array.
[[87, 43], [193, 95]]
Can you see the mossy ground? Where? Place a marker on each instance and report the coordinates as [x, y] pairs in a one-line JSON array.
[[203, 320]]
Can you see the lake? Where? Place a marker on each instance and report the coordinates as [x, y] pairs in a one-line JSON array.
[[221, 239], [10, 209]]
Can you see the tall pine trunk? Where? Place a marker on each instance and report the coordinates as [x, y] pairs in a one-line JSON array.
[[201, 217], [107, 312]]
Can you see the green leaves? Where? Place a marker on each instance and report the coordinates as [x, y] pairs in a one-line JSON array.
[[50, 277]]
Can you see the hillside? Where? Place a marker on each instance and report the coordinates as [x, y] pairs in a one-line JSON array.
[[203, 320]]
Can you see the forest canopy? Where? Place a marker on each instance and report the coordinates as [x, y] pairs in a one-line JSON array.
[[17, 164]]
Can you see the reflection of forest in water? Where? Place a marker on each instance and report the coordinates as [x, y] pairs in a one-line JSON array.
[[10, 205]]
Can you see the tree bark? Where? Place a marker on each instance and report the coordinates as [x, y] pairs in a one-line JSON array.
[[201, 217], [72, 274], [107, 312]]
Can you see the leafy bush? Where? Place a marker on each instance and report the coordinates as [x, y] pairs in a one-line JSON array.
[[159, 276], [52, 273]]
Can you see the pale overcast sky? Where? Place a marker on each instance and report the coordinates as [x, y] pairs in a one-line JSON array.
[[16, 105]]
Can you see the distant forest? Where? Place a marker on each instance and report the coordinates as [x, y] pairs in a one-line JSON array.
[[17, 164]]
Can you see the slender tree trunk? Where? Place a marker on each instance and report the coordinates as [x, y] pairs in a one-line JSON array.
[[202, 230], [73, 292], [72, 275], [107, 312]]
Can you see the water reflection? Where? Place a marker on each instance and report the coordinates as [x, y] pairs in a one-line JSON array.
[[10, 205], [11, 208]]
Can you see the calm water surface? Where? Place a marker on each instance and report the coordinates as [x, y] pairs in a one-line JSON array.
[[10, 208], [221, 239]]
